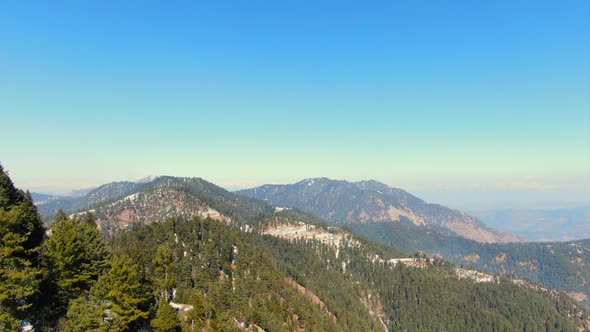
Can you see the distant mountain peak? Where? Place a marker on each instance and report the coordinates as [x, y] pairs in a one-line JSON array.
[[371, 200]]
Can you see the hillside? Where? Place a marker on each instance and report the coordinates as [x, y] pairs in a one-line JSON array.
[[305, 276], [251, 268], [560, 265], [48, 205], [107, 192], [119, 205], [369, 201]]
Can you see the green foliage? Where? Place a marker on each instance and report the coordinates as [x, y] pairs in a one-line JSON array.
[[76, 255], [228, 280], [117, 302], [421, 299], [9, 195], [21, 236], [560, 265], [61, 215], [166, 319], [164, 278], [122, 291], [198, 315], [224, 275], [83, 315], [242, 210]]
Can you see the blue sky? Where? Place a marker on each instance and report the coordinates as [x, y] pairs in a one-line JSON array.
[[463, 102]]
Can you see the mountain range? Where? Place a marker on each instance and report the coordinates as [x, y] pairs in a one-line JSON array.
[[118, 205], [402, 221], [323, 263], [372, 201], [413, 226]]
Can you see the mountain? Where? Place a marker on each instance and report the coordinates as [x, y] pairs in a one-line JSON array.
[[42, 198], [82, 199], [289, 274], [79, 192], [541, 225], [98, 195], [239, 264], [368, 201], [48, 205], [119, 205], [559, 265]]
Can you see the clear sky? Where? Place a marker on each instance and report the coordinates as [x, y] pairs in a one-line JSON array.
[[469, 103]]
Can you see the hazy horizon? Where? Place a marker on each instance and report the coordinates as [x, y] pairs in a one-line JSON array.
[[471, 105], [476, 198]]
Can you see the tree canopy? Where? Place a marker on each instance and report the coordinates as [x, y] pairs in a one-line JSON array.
[[21, 237]]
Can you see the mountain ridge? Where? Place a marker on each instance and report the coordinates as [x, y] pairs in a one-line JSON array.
[[559, 265], [365, 201], [119, 205], [287, 233]]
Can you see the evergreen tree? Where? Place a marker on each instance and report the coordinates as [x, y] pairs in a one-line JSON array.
[[83, 315], [122, 292], [166, 319], [196, 316], [61, 215], [76, 256], [21, 236], [164, 268], [89, 219]]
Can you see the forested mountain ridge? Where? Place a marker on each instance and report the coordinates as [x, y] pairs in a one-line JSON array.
[[285, 271], [122, 204], [366, 201], [560, 265], [118, 205], [353, 284], [49, 205]]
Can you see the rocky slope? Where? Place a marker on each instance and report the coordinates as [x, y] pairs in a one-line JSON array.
[[366, 201]]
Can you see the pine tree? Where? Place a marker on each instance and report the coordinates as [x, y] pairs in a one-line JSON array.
[[122, 293], [164, 268], [76, 256], [83, 315], [89, 218], [21, 236], [166, 319], [61, 215], [196, 316]]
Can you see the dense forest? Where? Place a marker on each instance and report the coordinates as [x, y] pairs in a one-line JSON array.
[[200, 274], [559, 265]]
